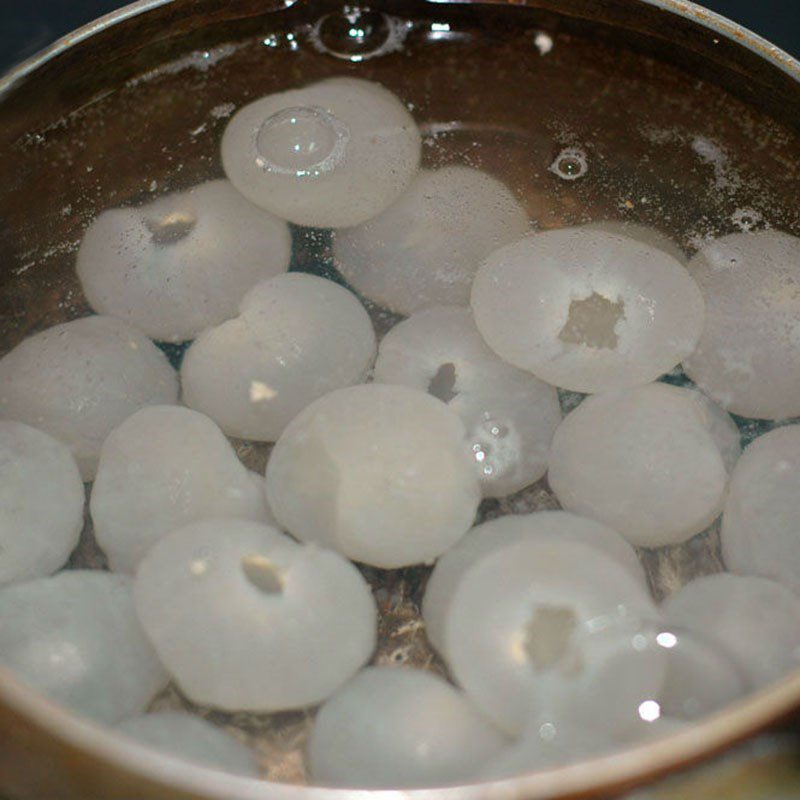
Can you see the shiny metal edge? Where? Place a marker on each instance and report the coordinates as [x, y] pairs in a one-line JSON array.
[[627, 768], [17, 73], [607, 773], [685, 8], [732, 30]]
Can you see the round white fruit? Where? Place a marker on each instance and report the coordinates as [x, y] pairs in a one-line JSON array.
[[548, 743], [760, 532], [393, 728], [77, 381], [75, 638], [703, 676], [182, 263], [297, 337], [244, 618], [651, 462], [748, 357], [491, 536], [425, 249], [41, 503], [329, 155], [519, 634], [587, 310], [652, 237], [545, 745], [191, 738], [510, 415], [378, 473], [754, 619], [164, 467]]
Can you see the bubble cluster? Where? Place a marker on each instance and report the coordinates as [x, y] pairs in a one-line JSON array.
[[509, 415]]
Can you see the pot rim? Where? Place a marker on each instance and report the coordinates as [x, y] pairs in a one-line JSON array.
[[683, 8], [625, 769], [621, 770]]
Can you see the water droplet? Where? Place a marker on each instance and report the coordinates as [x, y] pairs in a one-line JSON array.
[[496, 429], [548, 732], [480, 452], [570, 164], [301, 141]]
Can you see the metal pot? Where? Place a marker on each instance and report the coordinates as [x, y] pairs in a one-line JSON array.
[[98, 119]]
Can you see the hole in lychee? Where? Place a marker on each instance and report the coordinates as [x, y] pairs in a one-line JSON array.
[[592, 322], [442, 384], [171, 228], [262, 574], [548, 636]]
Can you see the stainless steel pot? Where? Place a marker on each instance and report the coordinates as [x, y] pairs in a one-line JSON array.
[[97, 119]]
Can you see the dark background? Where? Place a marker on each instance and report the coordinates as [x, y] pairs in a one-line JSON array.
[[28, 25]]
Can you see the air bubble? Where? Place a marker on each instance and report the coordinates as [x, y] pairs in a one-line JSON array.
[[570, 164], [745, 219], [440, 351], [301, 141], [357, 34]]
